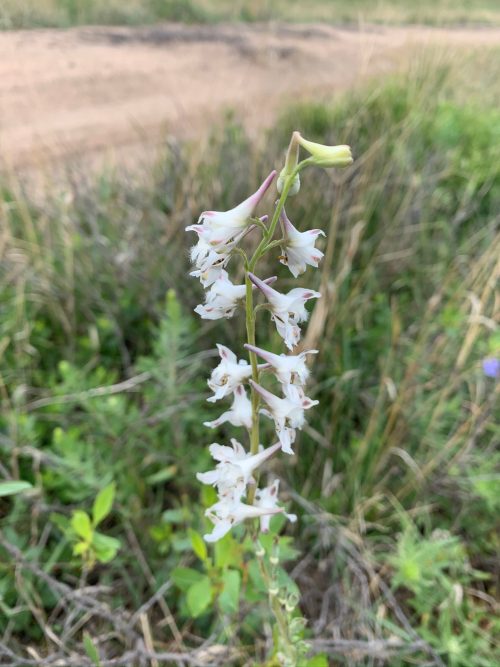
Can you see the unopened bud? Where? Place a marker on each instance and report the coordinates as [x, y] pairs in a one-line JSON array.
[[292, 159], [273, 591], [292, 602], [274, 560], [327, 156]]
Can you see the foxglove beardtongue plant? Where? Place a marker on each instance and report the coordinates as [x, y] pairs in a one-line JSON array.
[[236, 474]]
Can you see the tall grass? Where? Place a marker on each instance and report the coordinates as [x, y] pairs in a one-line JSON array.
[[63, 13], [100, 379]]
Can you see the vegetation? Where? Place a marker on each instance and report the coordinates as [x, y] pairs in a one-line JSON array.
[[63, 13], [103, 397]]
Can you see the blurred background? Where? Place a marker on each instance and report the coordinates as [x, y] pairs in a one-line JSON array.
[[119, 124]]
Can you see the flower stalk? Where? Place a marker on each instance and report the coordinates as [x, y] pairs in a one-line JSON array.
[[237, 471]]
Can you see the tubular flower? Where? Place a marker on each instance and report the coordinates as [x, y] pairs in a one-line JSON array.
[[228, 513], [218, 228], [287, 412], [289, 369], [267, 498], [223, 298], [232, 474], [228, 374], [239, 414], [288, 310], [298, 247]]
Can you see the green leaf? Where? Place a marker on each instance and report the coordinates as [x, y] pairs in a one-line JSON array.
[[11, 488], [230, 597], [199, 596], [162, 475], [91, 650], [105, 547], [185, 577], [103, 503], [80, 522], [80, 548], [198, 544]]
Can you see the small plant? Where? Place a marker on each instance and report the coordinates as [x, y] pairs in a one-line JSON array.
[[89, 544], [236, 474]]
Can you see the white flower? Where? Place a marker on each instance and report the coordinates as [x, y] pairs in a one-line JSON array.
[[267, 498], [287, 412], [234, 471], [228, 374], [222, 299], [289, 369], [210, 274], [217, 229], [228, 513], [239, 414], [298, 247], [288, 310]]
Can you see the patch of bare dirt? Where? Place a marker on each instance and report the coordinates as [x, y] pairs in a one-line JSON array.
[[90, 91]]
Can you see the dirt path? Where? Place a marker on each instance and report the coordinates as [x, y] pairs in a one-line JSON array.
[[91, 90]]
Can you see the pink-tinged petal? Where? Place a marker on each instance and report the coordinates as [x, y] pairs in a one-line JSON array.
[[261, 191], [226, 354], [270, 398], [269, 292], [268, 356]]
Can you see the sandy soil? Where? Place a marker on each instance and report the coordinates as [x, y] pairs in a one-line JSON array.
[[89, 91]]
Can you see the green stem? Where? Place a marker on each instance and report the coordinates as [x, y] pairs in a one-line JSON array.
[[265, 244], [276, 216]]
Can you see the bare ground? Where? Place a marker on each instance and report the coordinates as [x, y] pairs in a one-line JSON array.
[[92, 91]]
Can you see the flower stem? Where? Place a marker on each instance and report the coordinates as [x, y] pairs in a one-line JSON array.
[[264, 244]]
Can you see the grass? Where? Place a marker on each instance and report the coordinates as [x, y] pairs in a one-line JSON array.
[[102, 380], [64, 13]]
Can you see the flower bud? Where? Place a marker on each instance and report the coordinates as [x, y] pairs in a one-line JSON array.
[[292, 602], [273, 591], [327, 156], [292, 159]]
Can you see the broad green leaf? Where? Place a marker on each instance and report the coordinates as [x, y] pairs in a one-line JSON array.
[[185, 577], [228, 552], [199, 596], [199, 546], [91, 649], [230, 597], [80, 548], [80, 522], [103, 503], [105, 547], [11, 488]]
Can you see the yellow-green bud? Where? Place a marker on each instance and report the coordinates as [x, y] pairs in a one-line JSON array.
[[327, 156], [292, 159]]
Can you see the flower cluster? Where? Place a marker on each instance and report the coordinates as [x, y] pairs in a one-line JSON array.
[[219, 236]]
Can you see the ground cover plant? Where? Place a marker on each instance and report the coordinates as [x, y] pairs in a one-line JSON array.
[[64, 13], [103, 391]]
